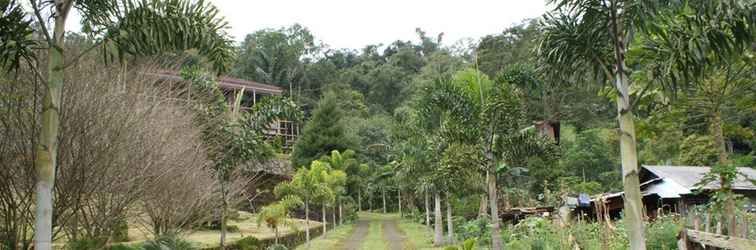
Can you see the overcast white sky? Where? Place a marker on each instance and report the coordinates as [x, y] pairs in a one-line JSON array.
[[356, 23]]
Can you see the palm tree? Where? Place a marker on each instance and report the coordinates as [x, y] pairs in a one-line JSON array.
[[308, 185], [346, 163], [234, 138], [127, 26], [594, 35], [489, 115], [277, 214]]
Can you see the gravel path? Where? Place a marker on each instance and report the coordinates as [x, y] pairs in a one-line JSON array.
[[355, 240], [393, 235]]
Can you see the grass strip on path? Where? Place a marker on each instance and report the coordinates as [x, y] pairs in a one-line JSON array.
[[332, 241], [374, 239]]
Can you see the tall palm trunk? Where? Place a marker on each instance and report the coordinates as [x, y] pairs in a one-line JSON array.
[[449, 222], [633, 204], [439, 221], [483, 206], [224, 209], [333, 214], [275, 230], [400, 202], [427, 210], [341, 214], [307, 223], [495, 223], [359, 200], [325, 228], [383, 194], [46, 149]]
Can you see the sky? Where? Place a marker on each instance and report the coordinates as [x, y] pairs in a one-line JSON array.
[[356, 23]]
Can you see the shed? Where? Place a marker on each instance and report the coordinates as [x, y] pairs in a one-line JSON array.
[[674, 189]]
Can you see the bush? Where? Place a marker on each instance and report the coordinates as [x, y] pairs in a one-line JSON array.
[[85, 244], [122, 247], [172, 242], [121, 231], [477, 228], [277, 247], [662, 233], [249, 243], [216, 225]]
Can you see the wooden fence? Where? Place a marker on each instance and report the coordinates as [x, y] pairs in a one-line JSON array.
[[704, 230]]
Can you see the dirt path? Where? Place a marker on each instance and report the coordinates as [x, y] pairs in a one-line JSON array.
[[393, 235], [355, 240]]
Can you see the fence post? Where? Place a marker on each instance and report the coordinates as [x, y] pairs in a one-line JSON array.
[[682, 242]]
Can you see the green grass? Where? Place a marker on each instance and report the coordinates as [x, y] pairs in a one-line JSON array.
[[418, 236], [331, 241], [374, 238]]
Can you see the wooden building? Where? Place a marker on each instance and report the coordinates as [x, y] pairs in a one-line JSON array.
[[673, 189], [253, 93]]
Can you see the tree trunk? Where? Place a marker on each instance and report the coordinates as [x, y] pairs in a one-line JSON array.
[[495, 223], [341, 214], [383, 194], [449, 222], [46, 149], [325, 228], [400, 202], [359, 200], [307, 223], [716, 130], [483, 206], [427, 211], [333, 214], [223, 213], [439, 221], [275, 230], [633, 204]]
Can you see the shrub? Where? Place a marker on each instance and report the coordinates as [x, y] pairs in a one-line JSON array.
[[86, 244], [122, 247], [249, 243], [172, 242], [277, 247], [477, 228], [662, 232], [121, 231], [216, 225]]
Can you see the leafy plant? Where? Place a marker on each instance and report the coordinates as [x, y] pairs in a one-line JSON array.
[[249, 243], [172, 242], [277, 247]]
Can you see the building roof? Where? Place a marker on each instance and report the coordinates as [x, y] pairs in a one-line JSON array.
[[674, 181], [686, 177], [227, 82], [236, 83]]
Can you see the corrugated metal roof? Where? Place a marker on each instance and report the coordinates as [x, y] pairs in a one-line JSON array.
[[687, 176], [227, 83]]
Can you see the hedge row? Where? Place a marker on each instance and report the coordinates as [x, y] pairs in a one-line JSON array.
[[290, 240]]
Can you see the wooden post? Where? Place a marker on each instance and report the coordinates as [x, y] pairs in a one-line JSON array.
[[696, 222], [708, 222], [682, 241]]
